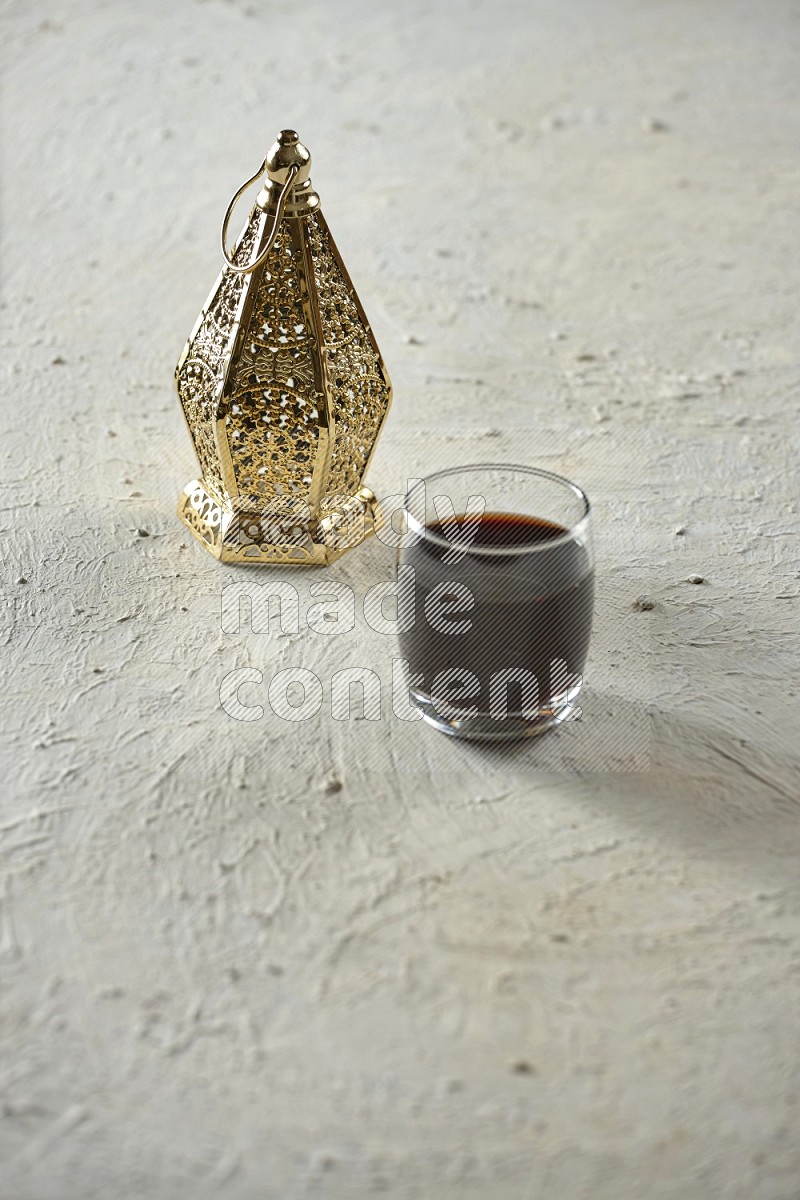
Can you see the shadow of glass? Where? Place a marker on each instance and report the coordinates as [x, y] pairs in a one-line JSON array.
[[689, 782]]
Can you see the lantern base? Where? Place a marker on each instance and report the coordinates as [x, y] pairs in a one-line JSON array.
[[240, 532]]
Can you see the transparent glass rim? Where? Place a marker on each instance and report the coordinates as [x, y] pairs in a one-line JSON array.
[[575, 532]]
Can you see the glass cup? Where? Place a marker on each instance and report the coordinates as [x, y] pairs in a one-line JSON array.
[[495, 580]]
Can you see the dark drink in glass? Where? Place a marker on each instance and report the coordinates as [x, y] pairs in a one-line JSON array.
[[496, 594]]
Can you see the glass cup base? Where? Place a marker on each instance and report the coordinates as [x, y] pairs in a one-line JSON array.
[[484, 728]]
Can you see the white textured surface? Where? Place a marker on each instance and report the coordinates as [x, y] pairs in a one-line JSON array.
[[266, 960]]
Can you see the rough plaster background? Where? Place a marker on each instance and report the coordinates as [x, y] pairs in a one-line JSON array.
[[265, 960]]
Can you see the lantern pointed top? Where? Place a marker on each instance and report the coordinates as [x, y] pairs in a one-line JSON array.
[[287, 152], [287, 161]]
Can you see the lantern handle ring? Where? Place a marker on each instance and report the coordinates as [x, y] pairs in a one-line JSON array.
[[283, 196]]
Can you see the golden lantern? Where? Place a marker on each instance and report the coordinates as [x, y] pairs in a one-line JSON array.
[[282, 385]]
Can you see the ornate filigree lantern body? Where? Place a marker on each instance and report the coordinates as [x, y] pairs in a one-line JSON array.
[[282, 385]]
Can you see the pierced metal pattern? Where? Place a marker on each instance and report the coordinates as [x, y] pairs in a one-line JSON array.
[[359, 388], [272, 410], [278, 552], [201, 374], [240, 536]]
